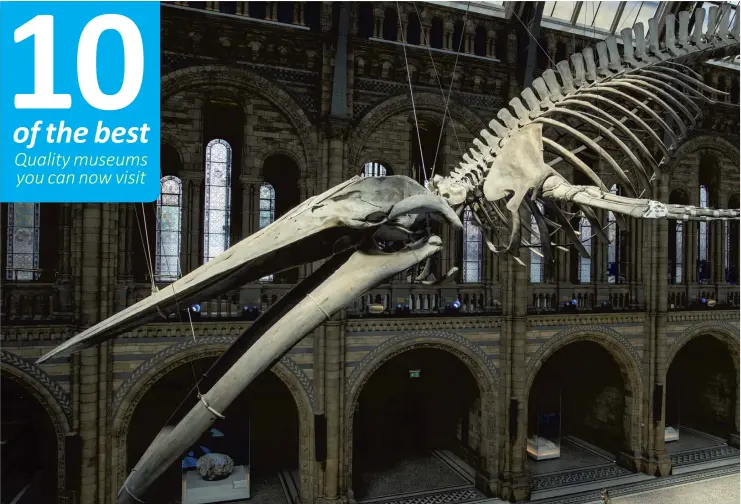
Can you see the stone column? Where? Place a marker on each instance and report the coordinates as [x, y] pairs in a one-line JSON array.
[[468, 35], [298, 13], [512, 483], [271, 11], [448, 35], [653, 457], [192, 214], [378, 16], [64, 283], [250, 204], [242, 9], [212, 6], [337, 130], [551, 49], [90, 282], [333, 366], [426, 26], [491, 43]]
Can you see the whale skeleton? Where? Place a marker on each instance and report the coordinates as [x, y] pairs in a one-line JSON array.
[[641, 102]]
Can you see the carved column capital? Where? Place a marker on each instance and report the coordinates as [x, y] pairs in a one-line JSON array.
[[337, 128], [192, 177], [247, 180]]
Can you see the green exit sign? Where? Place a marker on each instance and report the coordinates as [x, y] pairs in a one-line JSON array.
[[414, 373]]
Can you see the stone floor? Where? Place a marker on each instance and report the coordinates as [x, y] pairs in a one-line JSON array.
[[418, 473], [690, 439], [724, 490], [574, 455]]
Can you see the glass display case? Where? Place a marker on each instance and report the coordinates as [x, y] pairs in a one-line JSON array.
[[544, 442], [671, 416], [217, 467], [544, 427]]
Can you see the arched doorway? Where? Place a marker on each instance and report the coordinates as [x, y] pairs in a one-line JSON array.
[[417, 426], [260, 430], [29, 446], [701, 394], [579, 412]]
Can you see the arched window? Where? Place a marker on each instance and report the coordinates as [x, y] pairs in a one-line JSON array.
[[390, 24], [537, 272], [703, 245], [365, 20], [732, 245], [414, 30], [267, 205], [267, 212], [169, 209], [458, 37], [23, 241], [479, 41], [374, 169], [613, 248], [472, 251], [585, 263], [436, 33], [217, 201]]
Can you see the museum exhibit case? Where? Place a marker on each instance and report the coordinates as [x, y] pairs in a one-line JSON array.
[[217, 468], [544, 436]]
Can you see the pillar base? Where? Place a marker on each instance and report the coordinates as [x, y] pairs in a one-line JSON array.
[[513, 488], [733, 440], [656, 464], [629, 460]]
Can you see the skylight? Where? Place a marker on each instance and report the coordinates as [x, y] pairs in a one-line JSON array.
[[597, 19]]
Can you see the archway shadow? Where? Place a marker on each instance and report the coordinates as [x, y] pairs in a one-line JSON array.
[[701, 394], [29, 447], [259, 431], [416, 414]]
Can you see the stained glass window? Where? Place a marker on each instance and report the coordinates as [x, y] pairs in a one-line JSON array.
[[612, 247], [169, 210], [23, 241], [703, 273], [217, 199], [267, 213], [585, 263], [472, 251], [536, 260], [374, 170]]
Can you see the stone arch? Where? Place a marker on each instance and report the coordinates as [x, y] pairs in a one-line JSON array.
[[481, 367], [371, 157], [621, 351], [130, 392], [53, 399], [220, 77], [724, 332], [398, 104], [270, 150], [178, 145], [717, 144]]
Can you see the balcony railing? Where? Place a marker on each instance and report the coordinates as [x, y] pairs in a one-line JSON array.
[[544, 298], [412, 299], [28, 301]]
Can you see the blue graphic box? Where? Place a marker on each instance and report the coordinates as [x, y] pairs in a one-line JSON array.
[[99, 163]]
